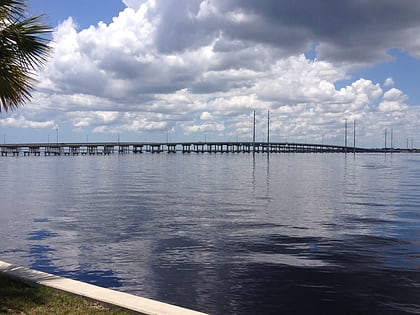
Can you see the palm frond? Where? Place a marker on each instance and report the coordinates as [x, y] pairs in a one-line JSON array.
[[23, 48], [12, 9]]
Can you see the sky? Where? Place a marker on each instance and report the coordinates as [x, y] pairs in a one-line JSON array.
[[195, 70]]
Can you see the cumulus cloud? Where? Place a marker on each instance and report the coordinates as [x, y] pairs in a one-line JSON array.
[[206, 116], [393, 101], [203, 66], [22, 122], [349, 31], [134, 4], [389, 82], [204, 127]]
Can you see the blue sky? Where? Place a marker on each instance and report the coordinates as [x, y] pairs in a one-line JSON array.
[[193, 69], [85, 13]]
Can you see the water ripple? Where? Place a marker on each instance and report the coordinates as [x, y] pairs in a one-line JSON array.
[[224, 234]]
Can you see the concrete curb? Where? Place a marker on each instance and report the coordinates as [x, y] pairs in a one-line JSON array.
[[107, 296]]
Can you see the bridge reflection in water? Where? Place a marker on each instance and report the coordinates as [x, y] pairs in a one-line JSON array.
[[105, 148]]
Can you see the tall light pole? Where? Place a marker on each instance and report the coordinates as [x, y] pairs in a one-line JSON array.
[[392, 136], [268, 131], [385, 137], [253, 135], [354, 136], [345, 136]]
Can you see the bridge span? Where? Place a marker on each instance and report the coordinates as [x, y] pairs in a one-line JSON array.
[[105, 148]]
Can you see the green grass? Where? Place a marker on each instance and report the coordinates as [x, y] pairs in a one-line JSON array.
[[19, 298]]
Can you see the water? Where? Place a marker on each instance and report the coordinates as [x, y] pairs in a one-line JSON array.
[[224, 233]]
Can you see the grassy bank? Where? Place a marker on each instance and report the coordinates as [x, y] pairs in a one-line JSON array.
[[19, 298]]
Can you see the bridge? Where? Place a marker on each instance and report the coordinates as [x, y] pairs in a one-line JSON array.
[[106, 148]]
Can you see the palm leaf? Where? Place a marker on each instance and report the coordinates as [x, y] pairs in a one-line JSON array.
[[23, 48]]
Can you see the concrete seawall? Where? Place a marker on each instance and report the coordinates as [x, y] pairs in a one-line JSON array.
[[110, 297]]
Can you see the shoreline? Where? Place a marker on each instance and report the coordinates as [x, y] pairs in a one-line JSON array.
[[105, 296]]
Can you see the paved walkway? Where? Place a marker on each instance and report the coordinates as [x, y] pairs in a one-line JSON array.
[[107, 296]]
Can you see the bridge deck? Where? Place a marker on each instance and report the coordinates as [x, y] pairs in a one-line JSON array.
[[105, 148]]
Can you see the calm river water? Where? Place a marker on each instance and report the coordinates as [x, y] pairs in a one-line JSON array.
[[223, 233]]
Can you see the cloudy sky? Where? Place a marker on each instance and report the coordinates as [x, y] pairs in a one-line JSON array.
[[151, 70]]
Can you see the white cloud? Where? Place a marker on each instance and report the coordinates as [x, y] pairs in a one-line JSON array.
[[389, 82], [206, 127], [133, 4], [22, 122], [138, 74], [207, 9], [296, 79], [206, 116], [393, 101]]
